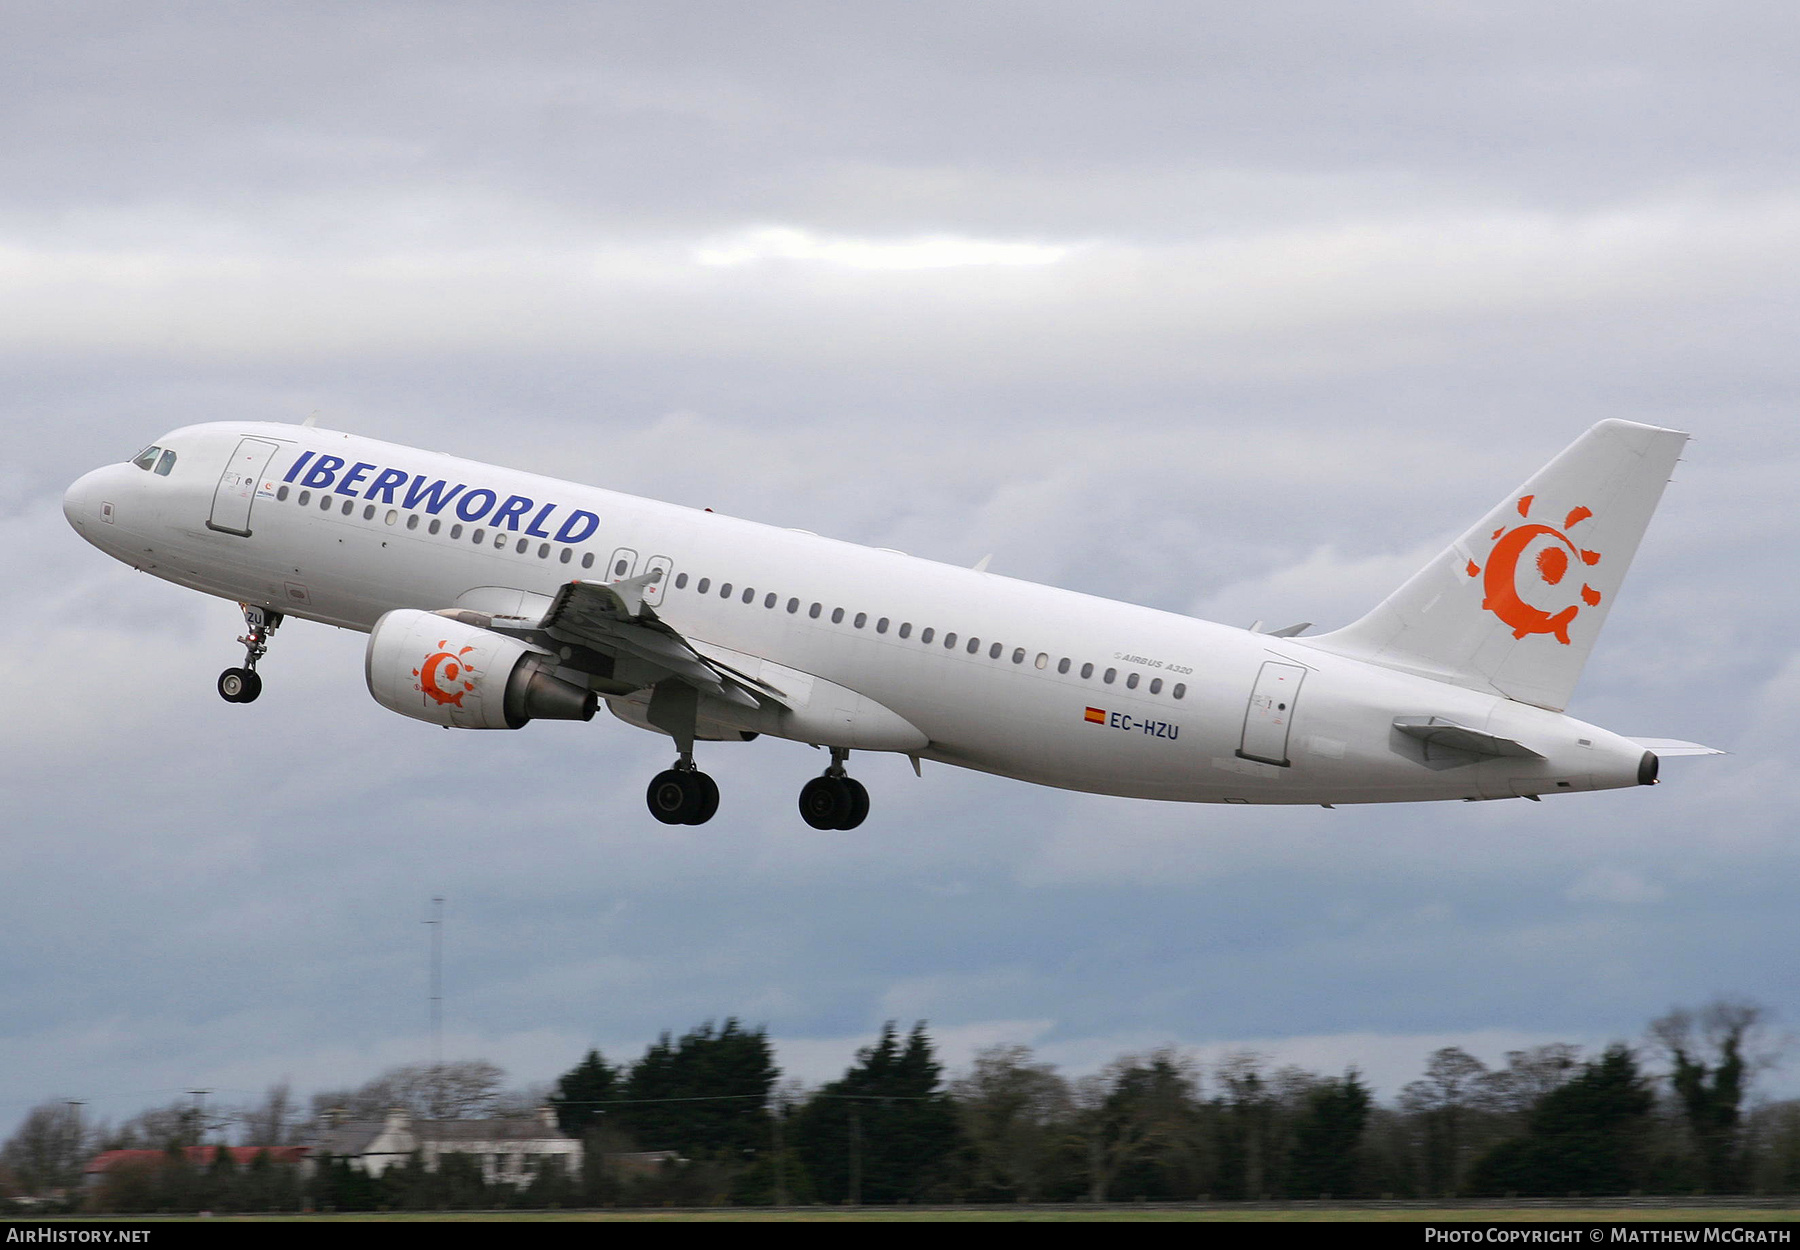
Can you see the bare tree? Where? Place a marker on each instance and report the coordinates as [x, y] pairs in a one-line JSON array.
[[1452, 1090], [1011, 1109], [48, 1150], [273, 1121], [465, 1090], [1528, 1076], [1713, 1056]]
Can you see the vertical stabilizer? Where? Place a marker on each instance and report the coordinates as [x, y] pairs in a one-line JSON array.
[[1515, 604]]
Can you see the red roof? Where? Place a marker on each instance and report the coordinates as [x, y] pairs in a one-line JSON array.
[[202, 1156]]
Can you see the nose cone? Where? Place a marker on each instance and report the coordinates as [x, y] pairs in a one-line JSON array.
[[82, 503]]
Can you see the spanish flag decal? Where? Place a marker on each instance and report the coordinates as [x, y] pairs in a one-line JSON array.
[[1095, 716]]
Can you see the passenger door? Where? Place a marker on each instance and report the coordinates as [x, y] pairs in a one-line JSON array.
[[236, 490]]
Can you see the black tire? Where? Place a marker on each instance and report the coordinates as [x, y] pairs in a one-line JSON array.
[[859, 804], [671, 798], [709, 798], [824, 802], [239, 685]]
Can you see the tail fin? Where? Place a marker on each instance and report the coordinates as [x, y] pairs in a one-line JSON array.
[[1514, 605]]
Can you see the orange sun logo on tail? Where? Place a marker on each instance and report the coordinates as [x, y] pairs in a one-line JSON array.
[[1501, 580], [444, 676]]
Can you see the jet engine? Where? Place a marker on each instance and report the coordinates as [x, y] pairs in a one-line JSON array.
[[444, 672]]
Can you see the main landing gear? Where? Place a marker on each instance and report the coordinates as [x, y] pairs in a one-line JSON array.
[[242, 685], [682, 795], [835, 800]]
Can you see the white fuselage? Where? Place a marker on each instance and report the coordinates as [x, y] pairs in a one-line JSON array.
[[1166, 708]]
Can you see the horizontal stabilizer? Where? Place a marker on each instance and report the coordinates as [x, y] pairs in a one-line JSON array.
[[1441, 731], [1666, 748]]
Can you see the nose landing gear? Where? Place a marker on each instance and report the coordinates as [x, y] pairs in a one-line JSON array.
[[242, 685], [835, 800]]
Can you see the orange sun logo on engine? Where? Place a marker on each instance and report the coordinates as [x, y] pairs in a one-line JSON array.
[[445, 677], [1554, 549]]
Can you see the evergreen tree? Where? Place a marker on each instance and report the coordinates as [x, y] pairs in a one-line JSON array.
[[705, 1095], [1327, 1139], [1585, 1137], [887, 1131], [582, 1092]]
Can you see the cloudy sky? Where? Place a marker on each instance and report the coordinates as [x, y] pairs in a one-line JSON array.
[[1234, 310]]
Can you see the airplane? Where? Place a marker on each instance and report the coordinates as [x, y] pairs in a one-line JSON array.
[[494, 597]]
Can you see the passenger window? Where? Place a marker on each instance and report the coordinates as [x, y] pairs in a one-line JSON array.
[[478, 537], [568, 553], [1062, 666], [146, 459], [1019, 656], [680, 581], [1087, 671], [905, 629], [434, 527], [350, 506], [1131, 682], [815, 610], [1156, 685], [837, 616], [281, 494], [324, 502], [304, 499], [925, 634], [368, 512], [619, 568], [994, 653], [949, 642], [1179, 690], [412, 522], [1110, 674], [703, 585], [862, 618], [749, 596], [793, 606], [769, 600], [500, 540], [165, 464], [974, 645], [881, 625], [1043, 659], [455, 530], [543, 551], [393, 516], [725, 591], [587, 561]]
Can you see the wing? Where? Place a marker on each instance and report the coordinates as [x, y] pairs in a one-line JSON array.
[[613, 619]]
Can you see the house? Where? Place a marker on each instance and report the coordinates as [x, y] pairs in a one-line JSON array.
[[510, 1151]]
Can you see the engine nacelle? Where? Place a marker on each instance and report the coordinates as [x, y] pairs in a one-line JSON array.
[[444, 672]]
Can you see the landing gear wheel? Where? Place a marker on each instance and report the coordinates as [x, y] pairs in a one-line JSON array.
[[682, 797], [709, 799], [833, 803], [672, 800], [823, 802], [239, 685], [859, 804]]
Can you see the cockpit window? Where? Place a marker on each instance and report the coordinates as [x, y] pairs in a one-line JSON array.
[[165, 464], [146, 459]]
